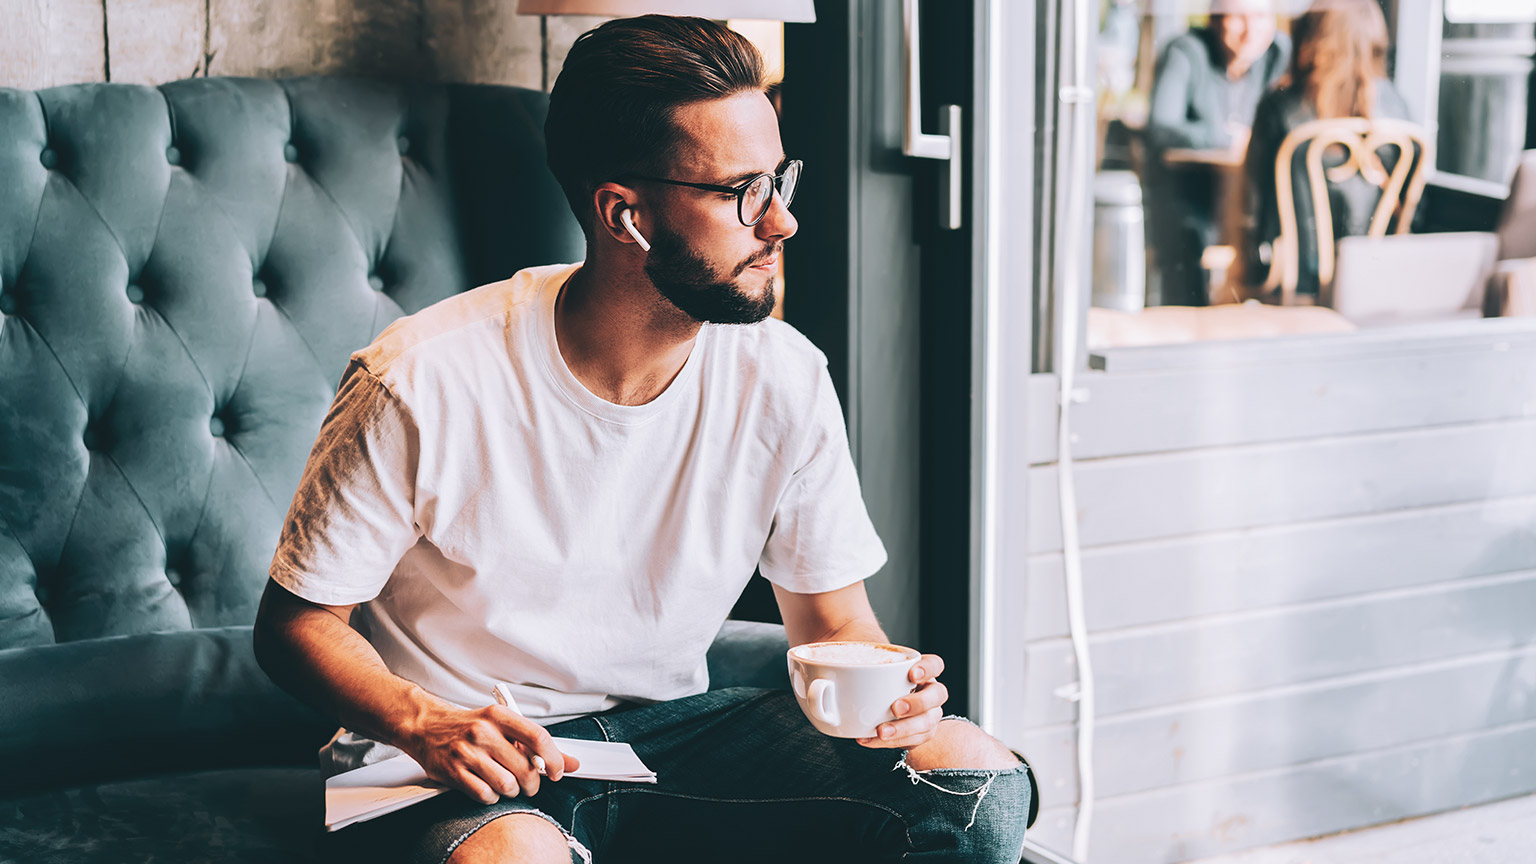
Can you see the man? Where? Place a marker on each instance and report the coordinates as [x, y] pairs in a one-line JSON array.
[[1204, 92], [564, 480], [1209, 80]]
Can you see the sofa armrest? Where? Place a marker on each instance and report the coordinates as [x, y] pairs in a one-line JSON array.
[[749, 654], [126, 706], [100, 709]]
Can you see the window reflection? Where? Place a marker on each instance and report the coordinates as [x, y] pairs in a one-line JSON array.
[[1200, 102]]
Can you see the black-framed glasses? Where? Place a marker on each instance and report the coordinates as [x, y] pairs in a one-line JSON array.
[[754, 197]]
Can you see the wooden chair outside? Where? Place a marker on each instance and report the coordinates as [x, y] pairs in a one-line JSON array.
[[1360, 139]]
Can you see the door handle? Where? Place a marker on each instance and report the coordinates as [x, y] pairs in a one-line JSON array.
[[916, 142]]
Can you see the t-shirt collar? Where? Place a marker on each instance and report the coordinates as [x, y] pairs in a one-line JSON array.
[[570, 386]]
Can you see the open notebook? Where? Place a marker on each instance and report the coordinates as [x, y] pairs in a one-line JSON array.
[[384, 787]]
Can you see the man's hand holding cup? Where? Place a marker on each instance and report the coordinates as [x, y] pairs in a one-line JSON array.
[[881, 695]]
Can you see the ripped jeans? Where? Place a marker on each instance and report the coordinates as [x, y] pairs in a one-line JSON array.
[[742, 777]]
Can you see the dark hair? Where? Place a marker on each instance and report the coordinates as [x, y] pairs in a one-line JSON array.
[[612, 107]]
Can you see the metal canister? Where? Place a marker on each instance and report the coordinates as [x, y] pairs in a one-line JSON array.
[[1119, 242]]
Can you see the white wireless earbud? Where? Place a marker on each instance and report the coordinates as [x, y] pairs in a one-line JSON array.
[[628, 218]]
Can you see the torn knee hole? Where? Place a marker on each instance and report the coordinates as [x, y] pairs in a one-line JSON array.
[[979, 792]]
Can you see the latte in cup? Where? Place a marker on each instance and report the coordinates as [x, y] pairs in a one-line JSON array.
[[852, 653], [846, 689]]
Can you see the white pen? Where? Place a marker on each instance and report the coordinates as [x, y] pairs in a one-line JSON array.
[[503, 695]]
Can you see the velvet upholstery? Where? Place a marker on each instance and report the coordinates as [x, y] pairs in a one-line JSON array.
[[249, 816], [195, 699], [184, 271], [154, 779], [180, 700]]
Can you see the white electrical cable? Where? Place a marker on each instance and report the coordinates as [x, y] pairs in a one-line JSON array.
[[1066, 370], [1072, 557]]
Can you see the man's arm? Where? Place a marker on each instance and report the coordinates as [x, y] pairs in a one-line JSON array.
[[311, 651], [1168, 123], [845, 615], [841, 615]]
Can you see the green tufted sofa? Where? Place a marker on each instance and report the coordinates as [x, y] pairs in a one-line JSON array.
[[184, 271]]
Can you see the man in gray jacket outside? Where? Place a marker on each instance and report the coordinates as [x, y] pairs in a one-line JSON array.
[[1204, 93]]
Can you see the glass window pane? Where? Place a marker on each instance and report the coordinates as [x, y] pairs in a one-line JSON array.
[[1285, 524], [1210, 115]]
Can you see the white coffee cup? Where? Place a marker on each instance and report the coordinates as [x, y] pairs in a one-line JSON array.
[[846, 689]]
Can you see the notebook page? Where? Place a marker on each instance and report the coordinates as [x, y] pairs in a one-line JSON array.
[[384, 787]]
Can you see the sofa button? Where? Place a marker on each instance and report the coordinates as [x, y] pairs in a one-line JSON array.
[[173, 155], [215, 427], [135, 294], [7, 304], [376, 281], [290, 153], [258, 287], [49, 158], [173, 576], [91, 439], [403, 144]]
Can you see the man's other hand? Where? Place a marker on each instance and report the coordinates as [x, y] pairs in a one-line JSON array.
[[917, 713], [1238, 134], [486, 753]]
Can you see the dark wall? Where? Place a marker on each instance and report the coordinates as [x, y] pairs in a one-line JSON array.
[[885, 293], [944, 589]]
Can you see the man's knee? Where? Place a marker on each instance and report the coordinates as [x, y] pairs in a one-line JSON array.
[[958, 744], [985, 808], [514, 839]]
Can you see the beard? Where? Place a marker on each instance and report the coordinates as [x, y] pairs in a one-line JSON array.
[[689, 283]]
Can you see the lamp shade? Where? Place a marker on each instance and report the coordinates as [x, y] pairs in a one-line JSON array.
[[771, 10]]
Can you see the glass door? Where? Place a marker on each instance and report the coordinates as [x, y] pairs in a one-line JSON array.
[[1252, 563]]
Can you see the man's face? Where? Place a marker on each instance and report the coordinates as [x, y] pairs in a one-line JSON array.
[[702, 259], [1248, 35]]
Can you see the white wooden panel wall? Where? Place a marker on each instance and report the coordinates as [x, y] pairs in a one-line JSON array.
[[1310, 578]]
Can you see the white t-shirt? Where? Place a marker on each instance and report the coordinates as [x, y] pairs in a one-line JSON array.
[[499, 522]]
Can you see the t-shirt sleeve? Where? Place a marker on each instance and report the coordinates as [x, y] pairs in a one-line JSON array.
[[352, 517], [822, 538]]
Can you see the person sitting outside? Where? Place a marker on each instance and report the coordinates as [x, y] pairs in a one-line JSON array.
[[1339, 70], [564, 480], [1205, 89]]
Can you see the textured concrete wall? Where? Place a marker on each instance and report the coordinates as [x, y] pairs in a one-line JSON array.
[[44, 43], [49, 42]]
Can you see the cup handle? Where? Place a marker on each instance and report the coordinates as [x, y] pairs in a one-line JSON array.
[[822, 701]]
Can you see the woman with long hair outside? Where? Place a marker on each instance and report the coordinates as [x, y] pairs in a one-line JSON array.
[[1338, 69]]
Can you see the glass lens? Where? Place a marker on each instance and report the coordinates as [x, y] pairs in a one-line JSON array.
[[756, 198], [790, 182]]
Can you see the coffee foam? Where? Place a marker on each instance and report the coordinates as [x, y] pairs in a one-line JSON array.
[[852, 653]]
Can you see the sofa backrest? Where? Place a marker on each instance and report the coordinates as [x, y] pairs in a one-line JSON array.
[[184, 271]]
